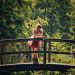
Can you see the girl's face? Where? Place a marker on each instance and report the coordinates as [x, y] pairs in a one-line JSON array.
[[38, 27]]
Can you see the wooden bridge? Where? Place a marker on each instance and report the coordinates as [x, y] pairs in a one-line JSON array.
[[30, 66]]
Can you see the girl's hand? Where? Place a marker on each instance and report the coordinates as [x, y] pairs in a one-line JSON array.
[[38, 36]]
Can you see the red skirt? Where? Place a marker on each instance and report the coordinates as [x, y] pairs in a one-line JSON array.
[[35, 44]]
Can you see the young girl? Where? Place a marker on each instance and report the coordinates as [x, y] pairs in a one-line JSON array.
[[34, 45]]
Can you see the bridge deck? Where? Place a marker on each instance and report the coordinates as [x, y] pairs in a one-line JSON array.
[[30, 66]]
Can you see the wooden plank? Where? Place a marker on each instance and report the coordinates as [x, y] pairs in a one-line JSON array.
[[27, 39], [54, 52], [27, 67], [19, 40], [44, 50], [49, 49], [60, 40]]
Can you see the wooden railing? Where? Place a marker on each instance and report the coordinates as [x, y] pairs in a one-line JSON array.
[[45, 41], [8, 68]]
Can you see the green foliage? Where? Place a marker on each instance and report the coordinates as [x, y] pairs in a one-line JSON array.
[[16, 15]]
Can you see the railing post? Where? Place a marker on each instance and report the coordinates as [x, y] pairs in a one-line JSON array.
[[49, 49], [1, 50], [44, 49]]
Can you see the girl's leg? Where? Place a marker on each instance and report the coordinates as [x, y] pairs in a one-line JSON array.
[[40, 43], [35, 56]]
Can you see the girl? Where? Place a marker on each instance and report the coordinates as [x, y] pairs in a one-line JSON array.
[[34, 45]]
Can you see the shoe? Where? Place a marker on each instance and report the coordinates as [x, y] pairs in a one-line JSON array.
[[35, 60]]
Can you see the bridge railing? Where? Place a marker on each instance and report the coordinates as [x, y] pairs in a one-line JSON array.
[[45, 41]]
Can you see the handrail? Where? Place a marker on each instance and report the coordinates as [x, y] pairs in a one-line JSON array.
[[19, 40], [24, 52], [61, 40], [28, 39]]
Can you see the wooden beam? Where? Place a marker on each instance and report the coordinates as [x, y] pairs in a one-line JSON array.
[[60, 40], [54, 52], [27, 67], [49, 49], [27, 39]]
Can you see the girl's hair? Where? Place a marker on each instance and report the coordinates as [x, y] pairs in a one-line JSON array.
[[38, 26]]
